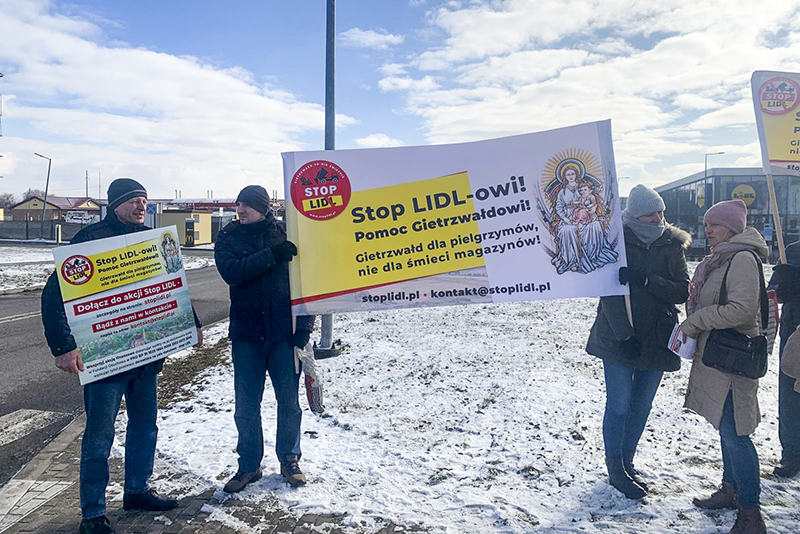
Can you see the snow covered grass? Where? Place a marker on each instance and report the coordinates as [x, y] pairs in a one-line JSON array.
[[14, 276], [472, 419]]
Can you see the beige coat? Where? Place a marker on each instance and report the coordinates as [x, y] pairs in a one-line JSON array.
[[708, 388], [790, 361]]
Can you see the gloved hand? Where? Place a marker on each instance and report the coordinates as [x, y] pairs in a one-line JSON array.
[[630, 348], [631, 276], [283, 252], [787, 279], [300, 338]]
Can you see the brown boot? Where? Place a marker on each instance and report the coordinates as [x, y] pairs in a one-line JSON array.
[[291, 471], [724, 497], [749, 521]]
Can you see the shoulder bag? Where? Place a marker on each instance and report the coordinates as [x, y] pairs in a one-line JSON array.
[[733, 352]]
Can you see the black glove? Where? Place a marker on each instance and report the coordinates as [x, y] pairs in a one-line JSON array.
[[631, 276], [787, 279], [630, 348], [283, 252], [300, 338]]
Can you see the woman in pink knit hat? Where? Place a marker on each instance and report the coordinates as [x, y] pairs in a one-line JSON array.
[[729, 402]]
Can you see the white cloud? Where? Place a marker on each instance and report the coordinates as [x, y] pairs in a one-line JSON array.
[[673, 76], [695, 102], [379, 40], [378, 140], [175, 122]]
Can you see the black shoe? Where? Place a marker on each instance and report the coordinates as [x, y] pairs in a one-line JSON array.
[[96, 525], [149, 501], [787, 469], [242, 479], [620, 480], [291, 472], [635, 475]]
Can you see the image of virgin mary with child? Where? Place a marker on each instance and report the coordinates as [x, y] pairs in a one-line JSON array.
[[581, 221]]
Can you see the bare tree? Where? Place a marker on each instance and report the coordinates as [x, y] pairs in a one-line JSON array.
[[7, 200], [30, 193]]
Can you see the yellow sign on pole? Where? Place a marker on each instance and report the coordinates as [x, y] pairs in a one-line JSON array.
[[776, 96]]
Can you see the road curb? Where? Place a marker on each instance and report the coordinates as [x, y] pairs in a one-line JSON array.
[[16, 290]]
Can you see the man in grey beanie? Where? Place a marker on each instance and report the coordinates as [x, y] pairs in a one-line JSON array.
[[252, 256]]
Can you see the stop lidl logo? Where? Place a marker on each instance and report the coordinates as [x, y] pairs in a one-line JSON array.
[[77, 270], [320, 190]]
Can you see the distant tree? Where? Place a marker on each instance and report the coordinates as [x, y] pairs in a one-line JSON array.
[[7, 200], [30, 193]]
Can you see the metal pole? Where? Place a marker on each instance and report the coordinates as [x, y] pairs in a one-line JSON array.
[[705, 174], [326, 339], [46, 187]]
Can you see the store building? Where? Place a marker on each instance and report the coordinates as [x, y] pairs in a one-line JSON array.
[[688, 199]]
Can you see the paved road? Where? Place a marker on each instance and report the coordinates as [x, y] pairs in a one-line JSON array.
[[36, 399]]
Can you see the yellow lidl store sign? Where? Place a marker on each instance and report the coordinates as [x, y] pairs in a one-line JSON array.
[[83, 274], [744, 192], [384, 235]]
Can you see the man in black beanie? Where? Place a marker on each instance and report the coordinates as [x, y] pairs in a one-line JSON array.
[[252, 256], [127, 201]]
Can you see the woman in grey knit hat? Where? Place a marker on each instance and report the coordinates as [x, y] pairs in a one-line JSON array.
[[635, 357]]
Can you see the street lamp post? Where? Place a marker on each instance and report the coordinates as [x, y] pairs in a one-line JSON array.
[[705, 173], [46, 187]]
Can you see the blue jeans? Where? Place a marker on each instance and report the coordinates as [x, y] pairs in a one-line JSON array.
[[251, 363], [739, 459], [102, 400], [629, 398]]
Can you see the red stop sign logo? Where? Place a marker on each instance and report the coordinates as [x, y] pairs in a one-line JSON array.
[[320, 190], [77, 270]]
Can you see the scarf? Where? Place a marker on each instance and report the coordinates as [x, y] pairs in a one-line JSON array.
[[719, 255], [646, 232]]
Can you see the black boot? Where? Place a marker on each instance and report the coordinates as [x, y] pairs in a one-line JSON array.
[[636, 476], [149, 501], [618, 478]]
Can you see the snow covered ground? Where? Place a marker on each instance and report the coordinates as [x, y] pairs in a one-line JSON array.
[[13, 275], [472, 419]]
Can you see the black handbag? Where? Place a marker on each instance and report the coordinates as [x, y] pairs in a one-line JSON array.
[[733, 352]]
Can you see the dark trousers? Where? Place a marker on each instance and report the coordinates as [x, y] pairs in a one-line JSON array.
[[788, 418], [739, 459], [252, 361], [102, 400], [629, 398]]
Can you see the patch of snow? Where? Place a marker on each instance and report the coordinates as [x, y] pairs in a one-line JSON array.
[[483, 418], [25, 254]]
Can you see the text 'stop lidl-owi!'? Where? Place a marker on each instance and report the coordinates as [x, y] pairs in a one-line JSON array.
[[528, 217], [777, 104], [126, 300]]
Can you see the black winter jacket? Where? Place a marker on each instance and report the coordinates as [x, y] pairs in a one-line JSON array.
[[56, 330], [653, 306], [790, 311], [259, 287]]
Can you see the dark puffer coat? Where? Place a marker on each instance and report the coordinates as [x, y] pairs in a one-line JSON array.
[[260, 299], [653, 306], [56, 329]]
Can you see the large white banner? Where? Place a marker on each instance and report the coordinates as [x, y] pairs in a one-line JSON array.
[[527, 217]]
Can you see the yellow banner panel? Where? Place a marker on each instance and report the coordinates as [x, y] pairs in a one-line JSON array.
[[80, 276], [387, 235]]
